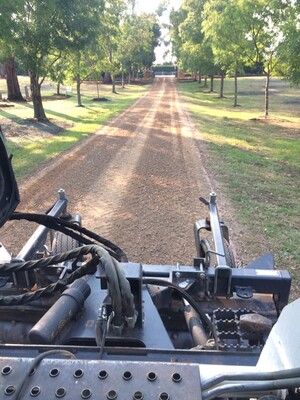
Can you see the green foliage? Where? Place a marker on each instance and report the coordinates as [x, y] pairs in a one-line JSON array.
[[228, 40], [194, 53], [176, 18], [289, 51], [241, 33], [73, 38], [139, 36], [37, 32]]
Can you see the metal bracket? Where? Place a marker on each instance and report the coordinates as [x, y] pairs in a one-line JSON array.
[[222, 281]]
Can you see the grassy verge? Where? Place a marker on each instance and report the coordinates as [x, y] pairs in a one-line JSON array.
[[257, 161], [68, 123]]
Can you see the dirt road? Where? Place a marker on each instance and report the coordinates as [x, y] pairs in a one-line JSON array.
[[136, 182]]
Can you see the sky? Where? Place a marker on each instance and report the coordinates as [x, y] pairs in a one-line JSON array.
[[151, 6]]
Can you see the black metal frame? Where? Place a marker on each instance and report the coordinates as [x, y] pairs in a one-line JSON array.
[[148, 347]]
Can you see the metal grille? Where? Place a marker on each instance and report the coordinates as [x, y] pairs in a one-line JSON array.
[[228, 332]]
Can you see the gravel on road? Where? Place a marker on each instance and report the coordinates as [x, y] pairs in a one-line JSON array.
[[136, 181]]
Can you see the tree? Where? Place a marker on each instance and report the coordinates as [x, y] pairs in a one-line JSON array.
[[289, 50], [81, 65], [193, 52], [138, 53], [13, 87], [82, 53], [176, 18], [263, 21], [110, 37], [40, 30], [59, 73], [7, 55], [228, 40], [255, 35]]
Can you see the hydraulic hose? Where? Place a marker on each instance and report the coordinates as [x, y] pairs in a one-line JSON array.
[[127, 297], [186, 296], [68, 228], [195, 325], [121, 296]]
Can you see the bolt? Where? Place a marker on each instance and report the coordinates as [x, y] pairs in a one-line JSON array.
[[213, 198], [61, 194]]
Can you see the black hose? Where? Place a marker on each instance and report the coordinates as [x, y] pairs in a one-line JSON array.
[[17, 266], [65, 227], [87, 269], [185, 295], [121, 296], [127, 297], [195, 326], [114, 289]]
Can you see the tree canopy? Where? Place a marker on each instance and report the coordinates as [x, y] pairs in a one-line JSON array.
[[56, 38], [227, 35]]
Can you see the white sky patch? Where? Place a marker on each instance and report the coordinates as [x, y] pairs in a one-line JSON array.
[[152, 5]]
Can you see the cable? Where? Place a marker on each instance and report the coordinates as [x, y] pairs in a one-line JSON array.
[[127, 296], [119, 288], [101, 329], [185, 295], [17, 266], [34, 364], [65, 227], [87, 269]]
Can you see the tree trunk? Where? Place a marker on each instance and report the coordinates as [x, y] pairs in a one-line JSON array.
[[199, 77], [39, 112], [211, 83], [205, 81], [58, 89], [123, 77], [222, 85], [78, 84], [235, 103], [13, 87], [107, 78], [267, 95], [113, 86], [129, 76]]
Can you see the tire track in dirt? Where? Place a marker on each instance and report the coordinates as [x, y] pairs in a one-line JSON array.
[[161, 205], [112, 187], [136, 181]]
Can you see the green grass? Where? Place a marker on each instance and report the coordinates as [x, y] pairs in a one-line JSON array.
[[81, 121], [256, 160]]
